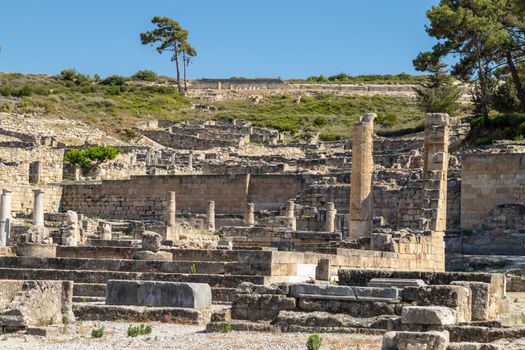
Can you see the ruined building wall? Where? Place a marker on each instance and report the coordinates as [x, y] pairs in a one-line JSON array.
[[50, 168], [489, 180]]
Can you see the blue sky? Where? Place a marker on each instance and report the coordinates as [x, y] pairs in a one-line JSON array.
[[268, 38]]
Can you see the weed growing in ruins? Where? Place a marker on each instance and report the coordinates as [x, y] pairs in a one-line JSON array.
[[97, 332], [134, 331], [193, 269], [228, 328], [314, 342]]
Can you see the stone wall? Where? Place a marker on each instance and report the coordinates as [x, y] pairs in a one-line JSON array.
[[489, 180], [22, 197], [182, 141], [20, 171]]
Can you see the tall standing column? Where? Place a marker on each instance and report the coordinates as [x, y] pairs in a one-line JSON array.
[[190, 163], [5, 217], [361, 187], [171, 232], [210, 218], [290, 213], [250, 214], [435, 169], [38, 207], [330, 217]]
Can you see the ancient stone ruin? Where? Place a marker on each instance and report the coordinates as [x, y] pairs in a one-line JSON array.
[[225, 225]]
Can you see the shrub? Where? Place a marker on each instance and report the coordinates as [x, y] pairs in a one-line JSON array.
[[134, 331], [314, 342], [97, 332], [91, 157], [73, 76], [114, 80], [227, 328], [146, 75], [319, 121]]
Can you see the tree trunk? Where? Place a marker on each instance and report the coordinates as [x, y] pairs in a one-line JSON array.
[[483, 88], [184, 65], [516, 79], [176, 56]]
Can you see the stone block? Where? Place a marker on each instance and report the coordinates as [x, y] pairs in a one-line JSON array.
[[396, 282], [376, 294], [149, 255], [322, 270], [158, 294], [415, 341], [151, 241], [305, 289], [257, 307], [456, 297], [480, 295], [428, 315], [37, 250], [473, 346]]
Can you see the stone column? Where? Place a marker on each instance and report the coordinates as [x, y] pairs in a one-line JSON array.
[[171, 218], [210, 218], [435, 170], [330, 217], [361, 187], [249, 218], [38, 207], [77, 172], [190, 163], [290, 214], [105, 230], [5, 217]]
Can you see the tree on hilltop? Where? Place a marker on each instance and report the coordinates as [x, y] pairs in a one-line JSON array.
[[440, 94], [188, 52], [170, 36]]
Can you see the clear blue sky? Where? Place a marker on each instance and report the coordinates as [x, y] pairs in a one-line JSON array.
[[268, 38]]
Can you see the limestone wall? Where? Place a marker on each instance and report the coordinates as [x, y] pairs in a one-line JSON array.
[[489, 180], [182, 141], [51, 164], [22, 197]]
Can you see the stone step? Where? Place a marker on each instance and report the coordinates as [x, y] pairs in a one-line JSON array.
[[86, 299], [219, 295], [89, 289], [396, 282], [204, 267], [92, 276], [99, 312]]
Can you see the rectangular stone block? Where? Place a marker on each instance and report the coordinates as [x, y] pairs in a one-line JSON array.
[[428, 315], [158, 294], [396, 282], [300, 290], [480, 295], [415, 340], [376, 294]]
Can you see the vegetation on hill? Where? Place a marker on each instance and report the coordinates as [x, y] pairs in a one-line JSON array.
[[92, 157], [343, 78], [115, 104], [500, 127]]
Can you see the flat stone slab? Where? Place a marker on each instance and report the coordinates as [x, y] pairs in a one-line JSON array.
[[415, 340], [396, 282], [158, 294], [428, 315], [376, 294], [125, 313], [300, 290]]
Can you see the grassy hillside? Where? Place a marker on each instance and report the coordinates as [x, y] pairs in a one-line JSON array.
[[116, 104], [501, 127]]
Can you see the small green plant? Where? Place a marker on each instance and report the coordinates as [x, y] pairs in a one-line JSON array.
[[228, 328], [142, 329], [146, 75], [314, 342], [97, 332], [193, 269]]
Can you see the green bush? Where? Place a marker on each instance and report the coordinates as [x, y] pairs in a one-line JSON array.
[[501, 127], [73, 76], [227, 328], [314, 342], [91, 157], [97, 332], [134, 331], [146, 75], [319, 121], [114, 80]]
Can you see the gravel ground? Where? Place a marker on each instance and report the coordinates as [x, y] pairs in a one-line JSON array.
[[170, 336]]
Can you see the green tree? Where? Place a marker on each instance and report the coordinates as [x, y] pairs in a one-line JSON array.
[[92, 157], [169, 36], [188, 52], [471, 30], [440, 94]]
